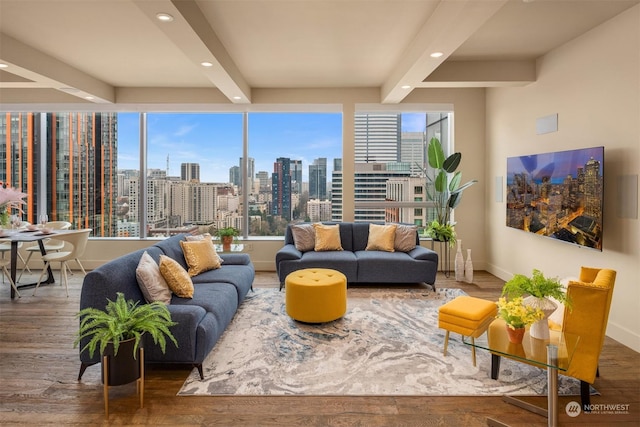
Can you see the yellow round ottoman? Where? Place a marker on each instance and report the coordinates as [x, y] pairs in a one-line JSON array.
[[316, 295]]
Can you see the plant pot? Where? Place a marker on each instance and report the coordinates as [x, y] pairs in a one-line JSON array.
[[226, 243], [123, 368], [515, 335]]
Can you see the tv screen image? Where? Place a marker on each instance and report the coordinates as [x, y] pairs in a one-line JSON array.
[[558, 195]]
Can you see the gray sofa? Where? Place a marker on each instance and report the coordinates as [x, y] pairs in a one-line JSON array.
[[201, 320], [360, 266]]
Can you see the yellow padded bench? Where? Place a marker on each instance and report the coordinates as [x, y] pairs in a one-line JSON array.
[[467, 316], [316, 295]]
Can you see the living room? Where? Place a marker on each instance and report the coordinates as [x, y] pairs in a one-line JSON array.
[[597, 102]]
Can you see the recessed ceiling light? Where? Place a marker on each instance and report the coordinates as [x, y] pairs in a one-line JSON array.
[[237, 97], [405, 87], [164, 17], [206, 64], [90, 98], [436, 54], [4, 66]]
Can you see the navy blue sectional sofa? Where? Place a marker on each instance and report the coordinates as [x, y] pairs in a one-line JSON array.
[[358, 265], [201, 320]]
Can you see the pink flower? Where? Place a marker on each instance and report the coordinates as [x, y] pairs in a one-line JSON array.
[[11, 198]]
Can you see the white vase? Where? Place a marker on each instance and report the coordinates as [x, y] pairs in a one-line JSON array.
[[459, 263], [468, 268], [540, 329]]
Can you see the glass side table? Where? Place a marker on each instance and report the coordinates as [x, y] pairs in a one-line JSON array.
[[553, 354], [235, 247]]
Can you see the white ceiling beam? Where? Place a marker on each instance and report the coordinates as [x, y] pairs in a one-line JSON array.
[[43, 71], [481, 74], [450, 25], [193, 35]]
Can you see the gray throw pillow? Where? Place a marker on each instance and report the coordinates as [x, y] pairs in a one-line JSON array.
[[153, 286], [304, 237], [405, 238]]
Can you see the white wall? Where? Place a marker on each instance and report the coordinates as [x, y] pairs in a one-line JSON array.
[[593, 84]]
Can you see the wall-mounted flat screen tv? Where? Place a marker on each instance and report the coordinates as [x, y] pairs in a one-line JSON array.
[[558, 195]]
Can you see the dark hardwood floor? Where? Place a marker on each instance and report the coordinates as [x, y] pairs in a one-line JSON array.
[[39, 369]]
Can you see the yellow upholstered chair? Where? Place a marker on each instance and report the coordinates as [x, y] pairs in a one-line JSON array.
[[588, 317]]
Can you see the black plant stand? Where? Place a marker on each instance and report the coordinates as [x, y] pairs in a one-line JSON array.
[[105, 381], [445, 256]]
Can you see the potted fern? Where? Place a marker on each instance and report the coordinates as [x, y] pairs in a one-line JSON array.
[[117, 332], [540, 289]]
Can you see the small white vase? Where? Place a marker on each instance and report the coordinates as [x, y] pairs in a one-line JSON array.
[[540, 329], [468, 268], [459, 263]]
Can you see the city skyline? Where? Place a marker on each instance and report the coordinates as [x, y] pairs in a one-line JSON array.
[[214, 140]]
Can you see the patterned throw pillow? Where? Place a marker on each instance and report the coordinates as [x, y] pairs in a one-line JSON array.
[[200, 255], [151, 282], [177, 277], [405, 238], [204, 236], [304, 237], [381, 238], [327, 237]]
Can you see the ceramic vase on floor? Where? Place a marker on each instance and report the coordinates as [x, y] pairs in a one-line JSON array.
[[459, 263], [468, 268], [540, 329]]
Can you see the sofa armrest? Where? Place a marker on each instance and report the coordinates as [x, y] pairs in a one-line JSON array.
[[422, 253], [235, 259], [288, 253]]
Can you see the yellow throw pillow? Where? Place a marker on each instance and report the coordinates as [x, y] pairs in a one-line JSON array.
[[327, 237], [200, 255], [177, 277], [381, 238], [204, 236]]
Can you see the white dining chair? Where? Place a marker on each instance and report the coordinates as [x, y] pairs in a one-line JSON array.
[[3, 264], [50, 245], [78, 240]]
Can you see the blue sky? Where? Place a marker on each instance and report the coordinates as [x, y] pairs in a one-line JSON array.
[[215, 140]]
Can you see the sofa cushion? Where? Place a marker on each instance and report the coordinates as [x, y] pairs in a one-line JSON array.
[[203, 236], [381, 237], [405, 239], [304, 237], [150, 280], [200, 255], [177, 277], [327, 237]]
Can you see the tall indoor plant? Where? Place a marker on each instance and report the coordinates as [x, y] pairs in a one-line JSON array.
[[123, 323], [444, 189]]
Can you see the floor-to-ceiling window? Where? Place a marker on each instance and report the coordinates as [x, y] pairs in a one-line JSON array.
[[159, 173]]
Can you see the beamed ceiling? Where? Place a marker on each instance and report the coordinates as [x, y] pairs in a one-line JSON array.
[[117, 51]]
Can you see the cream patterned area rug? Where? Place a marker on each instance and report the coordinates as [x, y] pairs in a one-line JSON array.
[[388, 343]]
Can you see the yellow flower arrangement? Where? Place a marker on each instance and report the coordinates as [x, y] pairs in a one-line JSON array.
[[516, 314]]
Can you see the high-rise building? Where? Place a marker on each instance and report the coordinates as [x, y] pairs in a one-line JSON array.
[[318, 179], [370, 185], [377, 138], [281, 188], [251, 166], [336, 191], [295, 169], [190, 172], [67, 165], [234, 175], [413, 151]]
